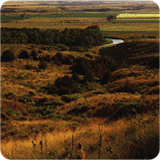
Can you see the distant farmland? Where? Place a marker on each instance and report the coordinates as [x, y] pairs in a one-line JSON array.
[[132, 15], [136, 18]]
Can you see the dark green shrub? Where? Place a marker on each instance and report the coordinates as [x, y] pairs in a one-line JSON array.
[[44, 48], [66, 85], [9, 112], [51, 89], [89, 75], [32, 93], [2, 123], [46, 58], [7, 56], [151, 36], [34, 55], [105, 78], [58, 102], [63, 85], [21, 38], [29, 66], [89, 55], [67, 60], [76, 77], [58, 63], [59, 56], [24, 99], [81, 65], [60, 59], [42, 65], [24, 55], [132, 37], [22, 118], [64, 90], [126, 86], [62, 47], [10, 95], [41, 102], [71, 57], [103, 64], [125, 110], [4, 116], [153, 62], [69, 98], [77, 111], [77, 48]]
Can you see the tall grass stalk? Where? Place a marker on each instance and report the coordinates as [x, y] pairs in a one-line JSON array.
[[100, 142], [12, 152], [72, 141], [34, 149], [73, 129], [41, 144]]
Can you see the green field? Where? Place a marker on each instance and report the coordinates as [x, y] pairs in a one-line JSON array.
[[94, 14]]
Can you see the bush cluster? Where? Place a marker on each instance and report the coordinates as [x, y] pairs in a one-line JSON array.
[[78, 48], [24, 55], [86, 73], [34, 55], [63, 85], [62, 47], [153, 62], [42, 64], [92, 69], [7, 56], [60, 59], [88, 37], [46, 58]]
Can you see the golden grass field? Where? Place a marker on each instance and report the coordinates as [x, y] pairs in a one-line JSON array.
[[96, 118], [86, 127]]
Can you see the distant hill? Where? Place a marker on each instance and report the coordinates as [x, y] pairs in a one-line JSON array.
[[118, 1]]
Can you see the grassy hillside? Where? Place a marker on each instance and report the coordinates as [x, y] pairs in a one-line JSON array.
[[114, 119]]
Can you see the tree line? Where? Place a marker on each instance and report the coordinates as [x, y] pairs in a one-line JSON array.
[[87, 37]]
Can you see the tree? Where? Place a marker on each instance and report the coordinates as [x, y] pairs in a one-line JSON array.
[[110, 18], [21, 38]]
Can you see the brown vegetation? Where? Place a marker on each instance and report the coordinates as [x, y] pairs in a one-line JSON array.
[[36, 115], [72, 102]]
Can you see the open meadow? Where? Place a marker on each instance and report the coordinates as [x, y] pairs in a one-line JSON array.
[[67, 92]]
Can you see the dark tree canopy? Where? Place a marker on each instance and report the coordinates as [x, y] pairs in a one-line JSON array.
[[85, 38]]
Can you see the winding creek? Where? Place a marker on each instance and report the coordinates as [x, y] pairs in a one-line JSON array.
[[115, 41]]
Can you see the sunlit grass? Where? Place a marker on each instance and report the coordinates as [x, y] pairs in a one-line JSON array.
[[117, 136]]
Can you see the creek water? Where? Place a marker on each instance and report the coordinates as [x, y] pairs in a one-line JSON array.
[[115, 41]]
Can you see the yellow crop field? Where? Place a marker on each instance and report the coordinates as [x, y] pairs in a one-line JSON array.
[[131, 15]]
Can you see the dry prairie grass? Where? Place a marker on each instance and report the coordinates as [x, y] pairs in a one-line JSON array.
[[88, 119], [115, 136]]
